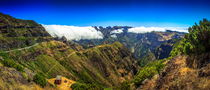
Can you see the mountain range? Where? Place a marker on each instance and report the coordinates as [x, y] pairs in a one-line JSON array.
[[30, 57]]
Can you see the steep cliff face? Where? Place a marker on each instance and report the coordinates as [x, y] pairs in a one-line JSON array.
[[141, 44], [163, 51], [16, 33]]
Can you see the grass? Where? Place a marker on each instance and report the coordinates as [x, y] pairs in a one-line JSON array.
[[40, 79], [49, 59], [11, 63], [47, 62]]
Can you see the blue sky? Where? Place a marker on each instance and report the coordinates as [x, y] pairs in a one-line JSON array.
[[166, 13]]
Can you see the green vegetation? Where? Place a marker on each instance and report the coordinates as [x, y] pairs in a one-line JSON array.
[[124, 86], [118, 44], [98, 66], [39, 79], [148, 71], [4, 55], [93, 66], [17, 33], [146, 59], [196, 41], [12, 63], [52, 67], [82, 86], [108, 89]]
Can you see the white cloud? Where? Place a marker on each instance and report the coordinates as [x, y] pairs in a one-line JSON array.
[[159, 29], [114, 36], [73, 32], [118, 31], [178, 29]]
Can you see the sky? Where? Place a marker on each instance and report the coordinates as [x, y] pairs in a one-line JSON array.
[[156, 13]]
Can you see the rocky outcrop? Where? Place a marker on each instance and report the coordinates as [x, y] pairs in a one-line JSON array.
[[163, 51], [11, 79]]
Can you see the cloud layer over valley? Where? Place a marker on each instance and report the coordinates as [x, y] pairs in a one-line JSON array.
[[79, 33], [118, 31], [74, 32], [158, 29]]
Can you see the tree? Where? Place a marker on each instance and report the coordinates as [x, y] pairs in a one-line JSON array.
[[40, 79], [197, 41]]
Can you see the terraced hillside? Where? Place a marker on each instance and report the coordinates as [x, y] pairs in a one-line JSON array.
[[17, 33], [106, 65], [29, 56]]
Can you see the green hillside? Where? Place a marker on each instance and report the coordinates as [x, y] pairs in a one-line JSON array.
[[188, 66], [106, 65], [28, 50]]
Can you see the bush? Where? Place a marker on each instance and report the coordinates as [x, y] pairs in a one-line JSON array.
[[197, 41], [4, 54], [39, 79], [195, 44], [148, 71]]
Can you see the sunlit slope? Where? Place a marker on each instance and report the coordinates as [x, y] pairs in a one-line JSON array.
[[107, 65]]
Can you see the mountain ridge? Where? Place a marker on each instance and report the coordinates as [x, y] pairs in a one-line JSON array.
[[106, 65], [189, 64], [110, 63], [16, 33]]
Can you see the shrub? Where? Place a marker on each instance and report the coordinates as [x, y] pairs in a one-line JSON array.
[[39, 79], [148, 71], [196, 41], [3, 54]]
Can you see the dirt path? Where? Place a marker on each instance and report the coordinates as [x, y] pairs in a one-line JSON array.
[[70, 55], [22, 48], [80, 51]]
